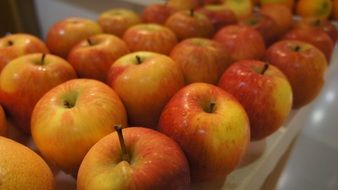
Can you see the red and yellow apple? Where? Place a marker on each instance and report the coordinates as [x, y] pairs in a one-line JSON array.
[[24, 80], [92, 58], [65, 34], [303, 64], [205, 121], [16, 45], [156, 13], [201, 60], [69, 119], [117, 21], [264, 92], [150, 37], [314, 8], [145, 81], [146, 160]]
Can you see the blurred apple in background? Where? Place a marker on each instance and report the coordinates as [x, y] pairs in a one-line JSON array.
[[156, 13], [211, 127], [303, 64], [3, 123], [69, 119], [314, 8], [145, 81], [117, 21], [15, 45], [180, 5], [24, 80], [318, 38], [92, 58], [65, 34], [143, 159], [335, 9], [263, 24], [319, 24], [241, 8], [188, 24], [264, 92], [287, 3], [219, 15], [241, 42], [201, 60], [150, 37], [281, 15]]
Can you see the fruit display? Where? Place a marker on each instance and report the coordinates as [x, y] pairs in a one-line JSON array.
[[167, 97]]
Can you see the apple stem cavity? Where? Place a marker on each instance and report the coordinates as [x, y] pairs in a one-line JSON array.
[[43, 59], [138, 59], [296, 49], [192, 12], [125, 155], [89, 42], [10, 43], [265, 68], [211, 108]]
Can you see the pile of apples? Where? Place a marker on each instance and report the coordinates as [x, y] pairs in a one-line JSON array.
[[168, 97]]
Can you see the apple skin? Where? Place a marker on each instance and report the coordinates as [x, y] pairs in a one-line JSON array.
[[318, 38], [24, 80], [3, 122], [241, 8], [281, 15], [145, 87], [314, 8], [263, 24], [69, 119], [287, 3], [94, 60], [65, 34], [219, 15], [319, 24], [204, 134], [189, 24], [16, 45], [335, 9], [180, 5], [156, 13], [157, 162], [150, 37], [201, 60], [303, 64], [266, 98], [242, 42], [117, 21]]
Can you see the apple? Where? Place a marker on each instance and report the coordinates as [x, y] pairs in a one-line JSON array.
[[69, 119], [241, 42], [180, 5], [201, 60], [65, 34], [16, 45], [3, 122], [281, 15], [320, 24], [241, 8], [150, 37], [263, 24], [318, 38], [205, 120], [156, 13], [303, 64], [145, 81], [188, 24], [314, 8], [24, 80], [92, 58], [287, 3], [138, 158], [219, 15], [117, 21], [264, 92]]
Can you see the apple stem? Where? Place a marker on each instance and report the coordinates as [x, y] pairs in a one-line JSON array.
[[297, 48], [211, 108], [89, 42], [138, 58], [265, 68], [43, 59], [192, 12], [125, 155], [10, 43]]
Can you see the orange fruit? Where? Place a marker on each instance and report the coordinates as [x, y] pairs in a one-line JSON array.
[[21, 168], [3, 122]]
